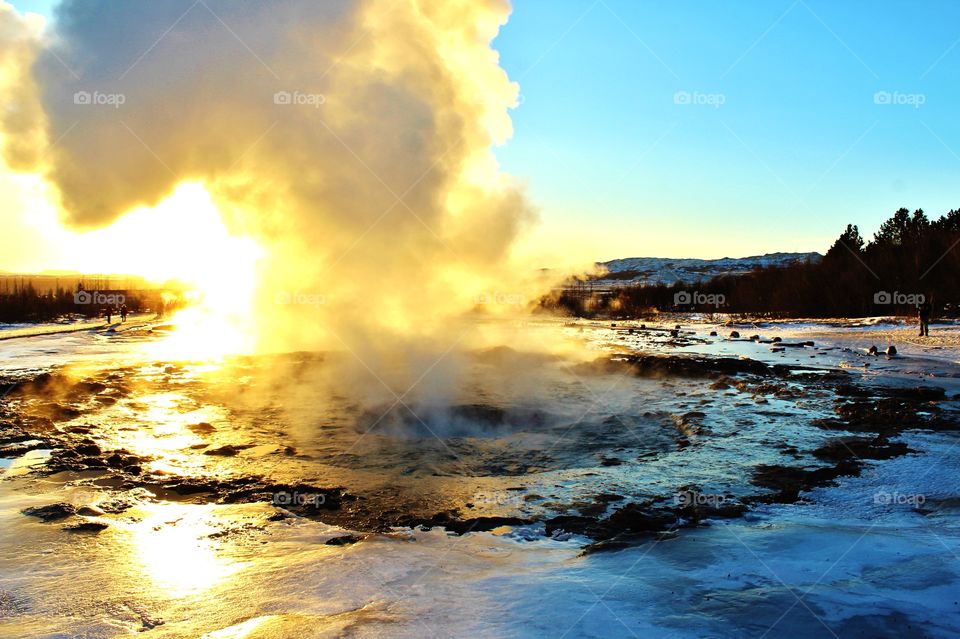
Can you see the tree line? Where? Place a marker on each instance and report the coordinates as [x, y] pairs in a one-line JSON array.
[[909, 259], [26, 303]]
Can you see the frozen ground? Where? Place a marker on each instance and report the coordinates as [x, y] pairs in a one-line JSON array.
[[873, 556]]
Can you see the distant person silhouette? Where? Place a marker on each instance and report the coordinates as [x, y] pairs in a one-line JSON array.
[[123, 313], [923, 312], [109, 314]]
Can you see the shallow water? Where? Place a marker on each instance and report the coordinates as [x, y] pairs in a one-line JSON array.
[[531, 445]]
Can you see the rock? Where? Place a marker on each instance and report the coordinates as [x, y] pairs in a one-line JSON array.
[[87, 526], [777, 339], [754, 338], [203, 428], [88, 448], [873, 350], [223, 451], [280, 515], [52, 512], [713, 333], [90, 511], [345, 540], [734, 335], [637, 518], [891, 350]]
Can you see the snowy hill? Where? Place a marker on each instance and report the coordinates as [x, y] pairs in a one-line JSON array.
[[664, 270]]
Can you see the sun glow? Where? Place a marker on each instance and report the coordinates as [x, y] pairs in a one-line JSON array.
[[185, 240], [181, 242]]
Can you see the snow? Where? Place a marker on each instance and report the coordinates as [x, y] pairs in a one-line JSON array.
[[874, 556], [660, 270]]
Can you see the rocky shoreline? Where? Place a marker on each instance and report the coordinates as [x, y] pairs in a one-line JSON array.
[[44, 412]]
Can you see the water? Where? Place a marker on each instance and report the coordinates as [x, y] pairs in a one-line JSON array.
[[529, 442]]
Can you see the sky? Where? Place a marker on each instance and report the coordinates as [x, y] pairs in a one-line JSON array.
[[694, 129]]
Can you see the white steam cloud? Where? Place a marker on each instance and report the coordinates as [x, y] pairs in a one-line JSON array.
[[352, 138]]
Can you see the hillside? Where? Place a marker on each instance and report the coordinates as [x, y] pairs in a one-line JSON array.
[[664, 270]]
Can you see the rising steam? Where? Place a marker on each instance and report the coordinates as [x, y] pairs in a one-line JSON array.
[[351, 138]]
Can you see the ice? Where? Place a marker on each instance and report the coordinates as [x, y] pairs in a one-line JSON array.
[[873, 556]]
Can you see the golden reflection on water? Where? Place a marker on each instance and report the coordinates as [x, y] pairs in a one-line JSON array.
[[171, 547], [160, 425], [238, 631]]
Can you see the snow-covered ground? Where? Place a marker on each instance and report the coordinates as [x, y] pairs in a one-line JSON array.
[[875, 556], [662, 270]]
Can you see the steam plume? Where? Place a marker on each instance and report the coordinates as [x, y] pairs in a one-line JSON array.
[[351, 137]]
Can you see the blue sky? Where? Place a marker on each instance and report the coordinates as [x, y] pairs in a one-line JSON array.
[[797, 149], [699, 129]]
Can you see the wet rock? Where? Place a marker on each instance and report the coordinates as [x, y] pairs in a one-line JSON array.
[[223, 451], [452, 523], [87, 448], [639, 518], [203, 428], [844, 448], [693, 366], [344, 540], [891, 351], [117, 505], [61, 412], [580, 525], [873, 350], [734, 334], [720, 384], [51, 512], [87, 526], [788, 482], [713, 333], [689, 424], [777, 340], [22, 448], [694, 507]]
